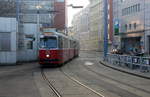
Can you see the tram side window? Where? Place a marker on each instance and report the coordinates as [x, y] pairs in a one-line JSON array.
[[65, 43], [70, 44], [60, 42], [74, 44]]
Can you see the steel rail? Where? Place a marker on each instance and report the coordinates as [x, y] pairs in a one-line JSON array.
[[50, 85], [123, 83], [81, 84]]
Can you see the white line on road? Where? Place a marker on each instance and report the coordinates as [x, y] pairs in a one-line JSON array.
[[88, 63]]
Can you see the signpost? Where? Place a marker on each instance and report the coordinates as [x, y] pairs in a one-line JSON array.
[[116, 27]]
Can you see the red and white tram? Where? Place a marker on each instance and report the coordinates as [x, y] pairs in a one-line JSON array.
[[56, 49]]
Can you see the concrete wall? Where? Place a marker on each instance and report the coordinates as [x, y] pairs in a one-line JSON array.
[[30, 34], [9, 25]]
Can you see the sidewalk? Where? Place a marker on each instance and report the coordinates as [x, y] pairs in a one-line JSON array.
[[127, 70]]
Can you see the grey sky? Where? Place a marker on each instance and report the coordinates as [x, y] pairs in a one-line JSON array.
[[71, 11]]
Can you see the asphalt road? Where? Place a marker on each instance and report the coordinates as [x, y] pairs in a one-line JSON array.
[[81, 77], [18, 81]]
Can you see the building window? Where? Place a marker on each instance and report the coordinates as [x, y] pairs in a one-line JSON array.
[[126, 27], [122, 0], [131, 9], [139, 7], [130, 26], [30, 45], [5, 43], [135, 25], [60, 0]]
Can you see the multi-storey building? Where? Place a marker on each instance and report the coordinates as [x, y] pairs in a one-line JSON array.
[[88, 26], [23, 20], [81, 28], [96, 25], [133, 19], [60, 18]]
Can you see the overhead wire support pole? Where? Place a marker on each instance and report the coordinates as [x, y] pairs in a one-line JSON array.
[[105, 28], [17, 9]]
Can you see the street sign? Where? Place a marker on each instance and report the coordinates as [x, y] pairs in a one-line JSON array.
[[116, 27]]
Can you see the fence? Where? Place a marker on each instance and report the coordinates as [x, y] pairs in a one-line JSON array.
[[133, 62]]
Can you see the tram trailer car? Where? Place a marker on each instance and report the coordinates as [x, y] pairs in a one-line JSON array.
[[56, 49]]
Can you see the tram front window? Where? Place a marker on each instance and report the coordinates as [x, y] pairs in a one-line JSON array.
[[48, 43]]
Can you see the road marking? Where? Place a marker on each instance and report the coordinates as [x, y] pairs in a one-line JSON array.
[[88, 63]]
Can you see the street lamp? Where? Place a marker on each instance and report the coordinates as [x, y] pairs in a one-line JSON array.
[[71, 5], [74, 7], [38, 7]]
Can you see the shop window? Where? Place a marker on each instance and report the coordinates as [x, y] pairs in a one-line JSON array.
[[5, 43]]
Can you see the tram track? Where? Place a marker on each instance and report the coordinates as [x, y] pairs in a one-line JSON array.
[[50, 85], [73, 79], [123, 83], [123, 90], [101, 75], [81, 84]]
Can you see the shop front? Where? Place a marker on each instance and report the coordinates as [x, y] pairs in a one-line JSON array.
[[131, 43]]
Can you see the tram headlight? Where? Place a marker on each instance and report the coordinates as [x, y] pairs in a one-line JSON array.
[[47, 56]]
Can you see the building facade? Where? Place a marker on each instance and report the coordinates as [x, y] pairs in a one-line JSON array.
[[88, 24], [60, 16], [133, 19], [96, 25], [80, 29]]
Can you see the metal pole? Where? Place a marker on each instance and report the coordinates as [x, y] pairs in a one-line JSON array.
[[99, 33], [17, 9], [38, 30], [105, 28]]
